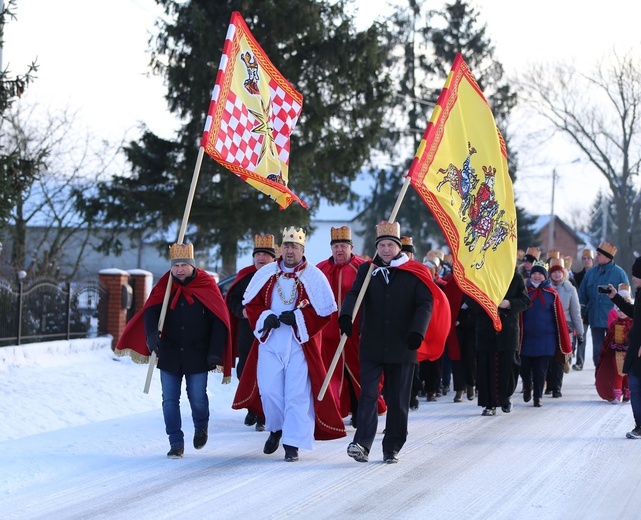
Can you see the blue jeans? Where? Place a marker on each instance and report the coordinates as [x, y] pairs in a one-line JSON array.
[[198, 400], [634, 382], [598, 335]]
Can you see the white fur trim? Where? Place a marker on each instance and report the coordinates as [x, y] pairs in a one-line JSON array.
[[303, 335]]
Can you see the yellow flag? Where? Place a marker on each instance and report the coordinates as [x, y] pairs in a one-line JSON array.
[[252, 114], [460, 170]]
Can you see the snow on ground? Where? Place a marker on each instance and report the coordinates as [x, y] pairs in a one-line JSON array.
[[79, 440]]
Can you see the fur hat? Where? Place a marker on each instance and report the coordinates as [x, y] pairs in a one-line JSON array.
[[182, 254], [265, 244], [388, 231], [539, 267], [407, 244]]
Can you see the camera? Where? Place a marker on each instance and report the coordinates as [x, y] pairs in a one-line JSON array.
[[603, 289]]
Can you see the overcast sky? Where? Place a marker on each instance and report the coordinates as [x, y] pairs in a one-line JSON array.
[[93, 59]]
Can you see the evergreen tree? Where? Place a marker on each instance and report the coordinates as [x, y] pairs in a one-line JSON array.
[[315, 46]]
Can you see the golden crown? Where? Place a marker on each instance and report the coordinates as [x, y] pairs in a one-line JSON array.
[[587, 252], [540, 263], [608, 248], [567, 262], [554, 253], [432, 256], [264, 242], [407, 241], [341, 234], [294, 235], [533, 251], [181, 253], [624, 287], [388, 229]]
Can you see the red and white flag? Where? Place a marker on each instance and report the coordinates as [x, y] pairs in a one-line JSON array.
[[252, 115]]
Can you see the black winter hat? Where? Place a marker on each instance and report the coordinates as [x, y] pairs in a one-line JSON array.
[[636, 268]]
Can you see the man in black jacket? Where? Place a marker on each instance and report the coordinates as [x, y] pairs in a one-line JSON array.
[[194, 339], [396, 311], [632, 363]]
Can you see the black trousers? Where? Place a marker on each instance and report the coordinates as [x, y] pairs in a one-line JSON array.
[[398, 385], [533, 372], [464, 370], [496, 377]]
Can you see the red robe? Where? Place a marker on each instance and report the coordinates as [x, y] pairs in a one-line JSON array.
[[604, 372], [341, 278], [233, 319], [133, 341], [329, 423]]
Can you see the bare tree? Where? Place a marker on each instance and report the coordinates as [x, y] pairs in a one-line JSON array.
[[47, 233], [599, 112]]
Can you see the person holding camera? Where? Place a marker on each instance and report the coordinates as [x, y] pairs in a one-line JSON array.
[[594, 304], [632, 362]]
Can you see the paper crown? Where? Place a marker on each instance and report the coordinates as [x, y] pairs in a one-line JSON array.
[[554, 253], [433, 258], [388, 231], [182, 253], [341, 234], [556, 261], [587, 253], [607, 249], [265, 244], [567, 262], [407, 244], [534, 252], [294, 235]]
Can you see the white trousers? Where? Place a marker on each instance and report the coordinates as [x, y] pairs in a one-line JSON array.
[[285, 388]]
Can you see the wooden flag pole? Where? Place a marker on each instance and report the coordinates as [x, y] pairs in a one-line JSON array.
[[181, 237], [359, 299]]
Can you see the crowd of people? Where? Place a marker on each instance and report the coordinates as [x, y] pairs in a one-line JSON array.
[[355, 339]]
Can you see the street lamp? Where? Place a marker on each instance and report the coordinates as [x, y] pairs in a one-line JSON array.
[[552, 217]]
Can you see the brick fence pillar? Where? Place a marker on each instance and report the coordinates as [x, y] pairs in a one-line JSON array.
[[141, 283], [111, 308]]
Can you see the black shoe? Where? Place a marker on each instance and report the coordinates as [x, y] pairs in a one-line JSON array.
[[176, 452], [446, 389], [578, 368], [390, 457], [507, 406], [414, 403], [527, 394], [291, 453], [458, 396], [200, 438], [557, 393], [635, 433], [431, 397], [537, 402], [489, 411], [357, 452], [548, 391], [470, 393], [272, 442], [250, 418], [260, 424]]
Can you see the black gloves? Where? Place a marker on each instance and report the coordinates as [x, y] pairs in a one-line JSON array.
[[271, 322], [287, 318], [345, 324], [414, 340], [153, 341]]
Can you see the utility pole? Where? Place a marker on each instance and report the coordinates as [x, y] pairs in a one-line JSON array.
[[551, 224]]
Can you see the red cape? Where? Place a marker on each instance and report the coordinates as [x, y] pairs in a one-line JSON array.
[[133, 341], [329, 423], [341, 279], [605, 372], [439, 326], [233, 319]]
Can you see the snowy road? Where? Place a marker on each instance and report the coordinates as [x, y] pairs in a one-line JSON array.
[[569, 459]]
